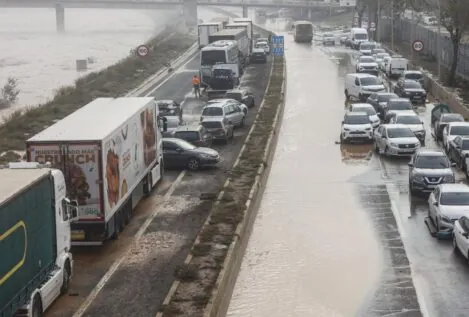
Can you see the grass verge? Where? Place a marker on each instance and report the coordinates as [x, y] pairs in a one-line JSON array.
[[210, 249], [114, 81]]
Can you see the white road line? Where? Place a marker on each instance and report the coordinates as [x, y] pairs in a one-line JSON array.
[[97, 289]]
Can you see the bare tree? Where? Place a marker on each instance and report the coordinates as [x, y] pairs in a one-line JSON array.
[[9, 92], [454, 18]]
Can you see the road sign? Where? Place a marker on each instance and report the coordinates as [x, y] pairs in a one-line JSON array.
[[278, 43], [142, 50], [418, 46], [372, 25]]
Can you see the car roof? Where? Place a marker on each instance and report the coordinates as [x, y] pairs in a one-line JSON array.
[[412, 72], [405, 113], [356, 114], [458, 124], [191, 127], [451, 114], [385, 93], [361, 75], [213, 119], [237, 90], [410, 81], [456, 187], [399, 99], [361, 105], [215, 104], [430, 152], [395, 126], [165, 101]]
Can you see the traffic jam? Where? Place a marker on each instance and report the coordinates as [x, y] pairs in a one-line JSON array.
[[226, 50], [384, 101]]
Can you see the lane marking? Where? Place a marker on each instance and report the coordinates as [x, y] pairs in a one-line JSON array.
[[107, 276]]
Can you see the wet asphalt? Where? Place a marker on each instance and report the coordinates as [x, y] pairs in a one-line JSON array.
[[139, 285], [407, 272]]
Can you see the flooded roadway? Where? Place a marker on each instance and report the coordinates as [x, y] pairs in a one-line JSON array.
[[325, 241]]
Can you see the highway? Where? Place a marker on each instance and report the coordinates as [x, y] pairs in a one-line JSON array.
[[172, 216], [344, 237]]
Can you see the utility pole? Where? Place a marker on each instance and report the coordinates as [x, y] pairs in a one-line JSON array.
[[392, 25], [378, 22], [412, 34]]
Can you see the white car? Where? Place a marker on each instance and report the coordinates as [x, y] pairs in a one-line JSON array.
[[446, 204], [369, 109], [396, 67], [230, 113], [413, 121], [366, 48], [452, 130], [379, 58], [461, 236], [356, 126], [384, 63], [366, 64], [227, 100], [328, 39], [263, 45], [360, 86], [395, 140]]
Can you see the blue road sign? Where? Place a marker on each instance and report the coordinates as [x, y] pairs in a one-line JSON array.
[[277, 45]]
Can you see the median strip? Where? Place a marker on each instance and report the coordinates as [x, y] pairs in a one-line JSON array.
[[205, 281]]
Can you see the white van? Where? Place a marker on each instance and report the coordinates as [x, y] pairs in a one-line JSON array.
[[360, 86], [396, 67], [358, 35]]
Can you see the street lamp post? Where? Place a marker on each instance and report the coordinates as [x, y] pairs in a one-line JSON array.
[[438, 41], [392, 25], [378, 22]]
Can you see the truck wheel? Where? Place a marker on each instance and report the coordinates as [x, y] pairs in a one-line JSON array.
[[66, 278], [37, 307]]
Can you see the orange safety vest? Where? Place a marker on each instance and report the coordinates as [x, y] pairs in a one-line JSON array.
[[195, 81]]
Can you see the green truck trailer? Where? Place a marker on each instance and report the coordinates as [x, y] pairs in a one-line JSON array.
[[36, 264]]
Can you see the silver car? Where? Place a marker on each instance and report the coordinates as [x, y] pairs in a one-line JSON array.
[[229, 112], [395, 140]]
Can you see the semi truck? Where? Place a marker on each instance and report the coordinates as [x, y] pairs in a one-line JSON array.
[[240, 36], [243, 26], [207, 29], [110, 152], [250, 28], [36, 265], [223, 20]]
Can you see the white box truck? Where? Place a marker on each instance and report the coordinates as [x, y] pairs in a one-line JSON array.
[[36, 264], [207, 29], [244, 26], [110, 152], [223, 20], [250, 26]]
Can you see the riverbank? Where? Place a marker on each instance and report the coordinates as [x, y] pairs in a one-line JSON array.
[[116, 80]]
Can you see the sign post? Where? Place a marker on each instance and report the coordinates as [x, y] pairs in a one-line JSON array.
[[417, 46], [278, 43], [372, 26]]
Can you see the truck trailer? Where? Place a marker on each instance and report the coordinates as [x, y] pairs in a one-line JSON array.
[[223, 20], [250, 28], [110, 152], [36, 264], [207, 29], [240, 36], [243, 26]]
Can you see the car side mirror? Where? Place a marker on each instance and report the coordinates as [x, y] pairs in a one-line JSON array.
[[453, 164], [410, 164]]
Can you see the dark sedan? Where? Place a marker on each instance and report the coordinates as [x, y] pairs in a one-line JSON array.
[[178, 153], [408, 88], [459, 151], [379, 101], [242, 95]]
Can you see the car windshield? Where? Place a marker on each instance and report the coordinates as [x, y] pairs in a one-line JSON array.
[[380, 51], [454, 199], [408, 120], [412, 85], [212, 125], [187, 135], [366, 60], [184, 144], [361, 36], [212, 111], [459, 130], [452, 118], [370, 81], [399, 105], [357, 120], [384, 98], [465, 145], [234, 95], [431, 162], [414, 76], [369, 111], [366, 47], [400, 133]]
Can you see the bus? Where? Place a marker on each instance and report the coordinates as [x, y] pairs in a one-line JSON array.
[[216, 53], [303, 31]]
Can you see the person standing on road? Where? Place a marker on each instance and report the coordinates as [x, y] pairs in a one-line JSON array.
[[196, 85]]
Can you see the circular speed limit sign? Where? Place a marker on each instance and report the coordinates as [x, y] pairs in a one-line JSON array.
[[417, 46], [142, 50]]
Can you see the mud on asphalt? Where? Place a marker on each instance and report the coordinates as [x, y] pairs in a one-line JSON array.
[[140, 284]]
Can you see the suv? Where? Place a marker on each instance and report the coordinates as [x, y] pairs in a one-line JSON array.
[[395, 140], [413, 75], [219, 128], [258, 56], [228, 112], [241, 95], [195, 134], [408, 88], [356, 126], [367, 64], [427, 169], [398, 106]]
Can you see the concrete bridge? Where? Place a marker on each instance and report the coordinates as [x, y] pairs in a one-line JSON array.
[[189, 6]]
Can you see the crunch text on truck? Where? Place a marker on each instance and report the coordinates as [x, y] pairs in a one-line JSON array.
[[110, 152], [36, 264]]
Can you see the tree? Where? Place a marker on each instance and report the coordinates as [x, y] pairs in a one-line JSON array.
[[9, 92], [454, 18]]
